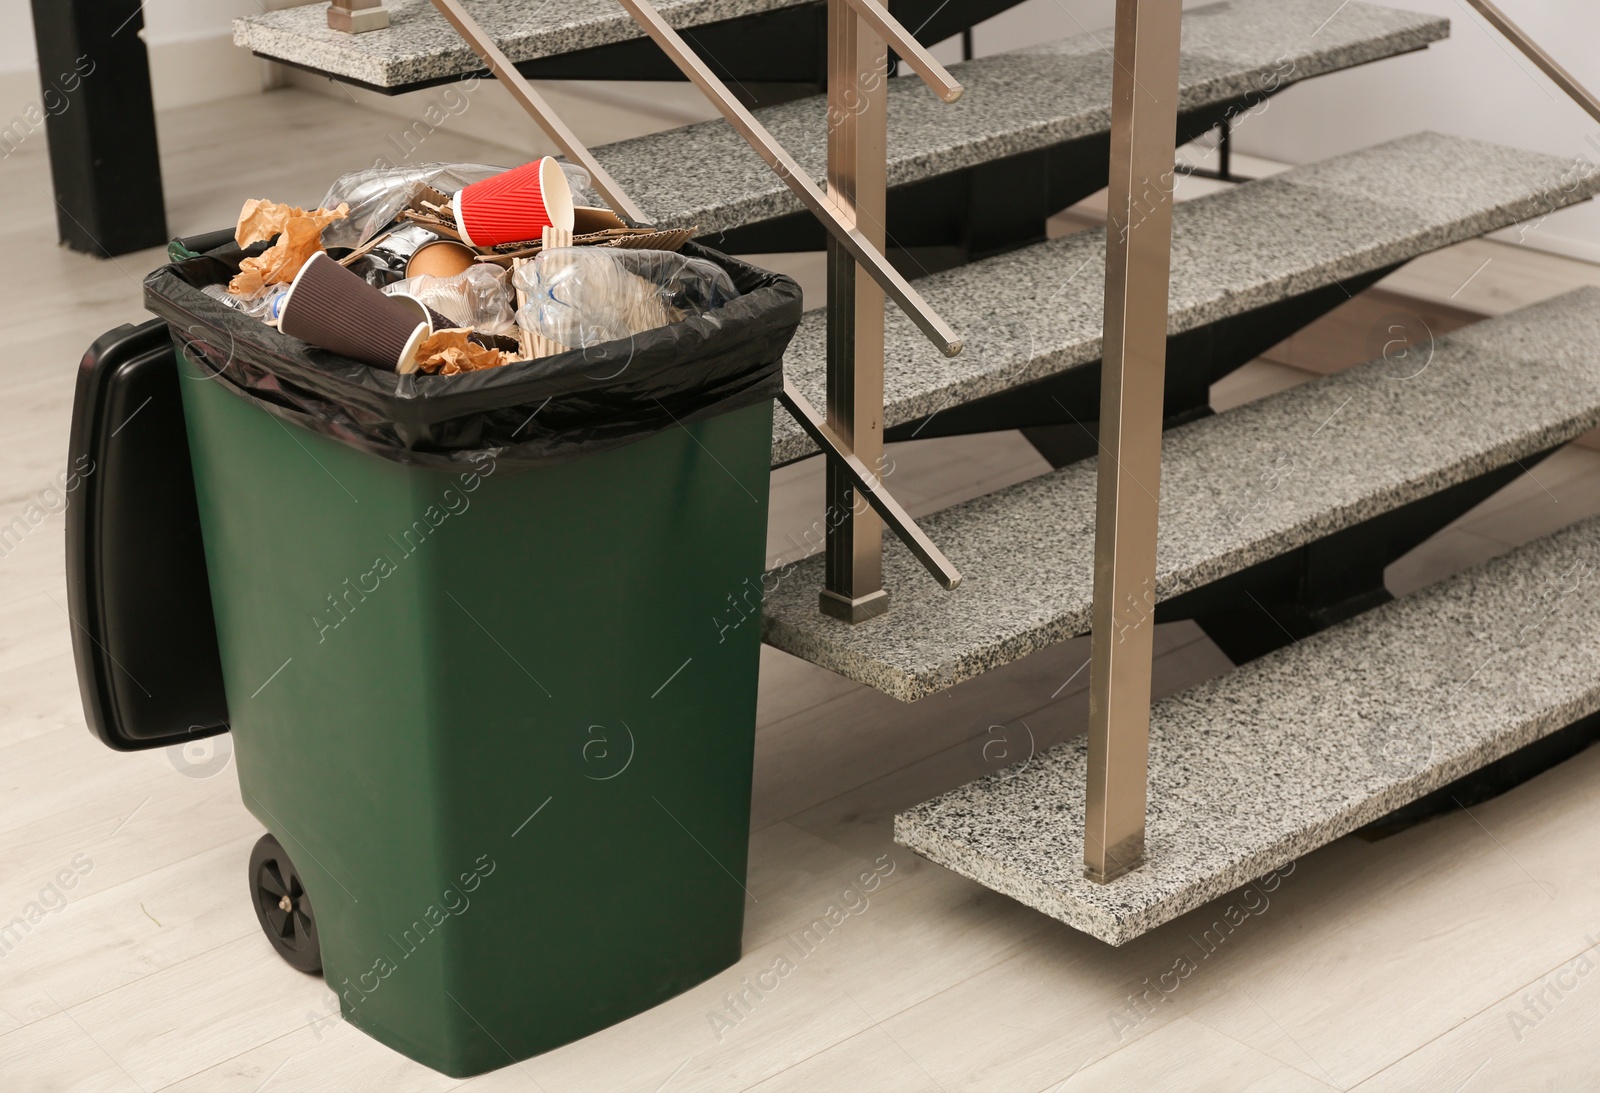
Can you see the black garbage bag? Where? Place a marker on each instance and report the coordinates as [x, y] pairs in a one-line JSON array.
[[526, 414]]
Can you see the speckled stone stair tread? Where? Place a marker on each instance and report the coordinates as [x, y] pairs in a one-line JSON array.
[[1012, 103], [1236, 488], [1256, 767], [419, 45], [1038, 311], [706, 175]]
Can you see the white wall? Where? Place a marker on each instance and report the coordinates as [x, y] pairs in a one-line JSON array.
[[16, 44], [192, 55], [166, 21]]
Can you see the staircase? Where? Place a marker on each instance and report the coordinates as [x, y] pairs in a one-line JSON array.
[[1276, 518], [769, 41], [1284, 754]]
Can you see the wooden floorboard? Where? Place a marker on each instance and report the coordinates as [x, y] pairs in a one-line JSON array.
[[1392, 965]]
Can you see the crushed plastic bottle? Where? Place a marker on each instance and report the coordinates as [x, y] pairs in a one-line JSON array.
[[584, 296]]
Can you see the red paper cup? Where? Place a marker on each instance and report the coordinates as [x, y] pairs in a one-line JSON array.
[[515, 207]]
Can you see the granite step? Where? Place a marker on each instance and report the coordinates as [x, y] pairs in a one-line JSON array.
[[1255, 768], [1038, 311], [419, 47], [1017, 102], [1236, 489], [1014, 102]]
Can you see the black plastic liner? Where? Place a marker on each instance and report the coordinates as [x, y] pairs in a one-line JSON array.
[[525, 415]]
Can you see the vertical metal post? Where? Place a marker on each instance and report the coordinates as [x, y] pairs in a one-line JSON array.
[[1144, 122], [858, 66], [357, 16]]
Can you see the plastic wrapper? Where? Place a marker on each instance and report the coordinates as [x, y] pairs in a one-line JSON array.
[[263, 305], [480, 298], [586, 296], [525, 414], [377, 195]]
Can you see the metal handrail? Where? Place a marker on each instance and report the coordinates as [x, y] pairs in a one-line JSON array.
[[1536, 53], [868, 256], [869, 486], [838, 444], [531, 101], [911, 51]]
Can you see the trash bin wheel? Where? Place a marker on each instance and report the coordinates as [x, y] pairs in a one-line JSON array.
[[283, 906]]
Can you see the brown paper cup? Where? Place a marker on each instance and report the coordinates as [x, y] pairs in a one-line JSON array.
[[441, 258], [334, 309]]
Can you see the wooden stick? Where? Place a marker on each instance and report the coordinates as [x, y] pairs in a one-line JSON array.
[[366, 248], [553, 238]]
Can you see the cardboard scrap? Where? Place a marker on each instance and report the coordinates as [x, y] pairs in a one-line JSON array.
[[427, 195], [299, 237], [593, 227], [444, 229], [671, 239], [449, 353], [588, 218]]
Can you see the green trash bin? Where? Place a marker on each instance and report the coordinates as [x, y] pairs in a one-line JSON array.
[[493, 699], [501, 723]]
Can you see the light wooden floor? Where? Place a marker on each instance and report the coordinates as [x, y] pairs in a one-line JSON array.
[[1398, 965]]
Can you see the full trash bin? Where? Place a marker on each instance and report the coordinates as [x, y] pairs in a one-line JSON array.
[[494, 704]]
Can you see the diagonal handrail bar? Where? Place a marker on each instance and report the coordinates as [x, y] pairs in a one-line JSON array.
[[537, 108], [838, 448], [869, 257], [1536, 53]]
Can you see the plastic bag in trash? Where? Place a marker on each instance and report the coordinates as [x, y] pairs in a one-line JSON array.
[[584, 296], [377, 195], [524, 414], [480, 298]]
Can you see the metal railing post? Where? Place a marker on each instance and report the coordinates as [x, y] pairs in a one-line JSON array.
[[357, 16], [858, 133], [853, 213], [842, 435], [1144, 121]]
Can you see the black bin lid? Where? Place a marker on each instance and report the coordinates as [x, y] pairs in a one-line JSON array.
[[143, 634]]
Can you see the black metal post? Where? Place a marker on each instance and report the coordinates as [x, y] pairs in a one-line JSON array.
[[96, 107]]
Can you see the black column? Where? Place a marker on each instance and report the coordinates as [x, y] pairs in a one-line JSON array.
[[97, 109]]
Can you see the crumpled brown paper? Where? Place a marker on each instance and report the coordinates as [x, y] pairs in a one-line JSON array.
[[299, 237], [449, 353]]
